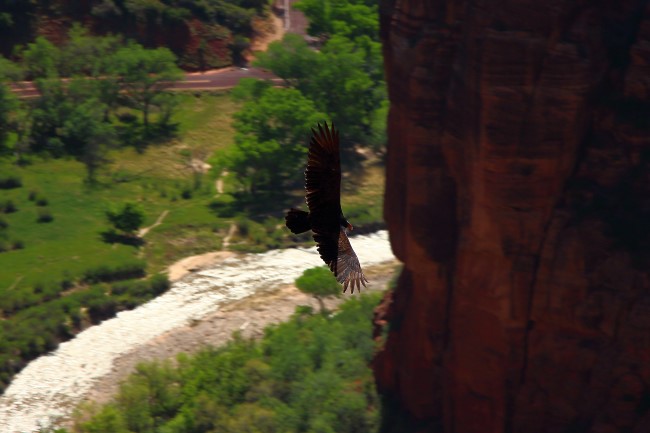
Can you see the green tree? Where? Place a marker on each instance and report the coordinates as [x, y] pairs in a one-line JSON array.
[[8, 101], [41, 59], [344, 80], [292, 60], [270, 143], [348, 87], [144, 74], [108, 420], [320, 283], [47, 115], [86, 55], [128, 219], [349, 18], [87, 136]]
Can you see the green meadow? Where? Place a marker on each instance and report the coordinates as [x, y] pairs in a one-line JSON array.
[[163, 179], [160, 178]]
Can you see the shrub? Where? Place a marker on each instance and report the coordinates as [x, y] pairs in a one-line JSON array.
[[17, 244], [101, 309], [44, 216], [67, 282], [128, 219], [130, 287], [10, 181], [8, 206], [223, 206], [106, 273], [320, 283], [32, 195], [3, 224], [41, 201], [159, 284]]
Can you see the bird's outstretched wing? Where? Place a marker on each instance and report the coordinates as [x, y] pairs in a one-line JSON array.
[[323, 186], [342, 260], [348, 269]]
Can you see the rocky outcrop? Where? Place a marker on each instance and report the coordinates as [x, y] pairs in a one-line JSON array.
[[518, 198], [199, 41]]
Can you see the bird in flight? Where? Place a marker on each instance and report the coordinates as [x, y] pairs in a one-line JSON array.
[[325, 217]]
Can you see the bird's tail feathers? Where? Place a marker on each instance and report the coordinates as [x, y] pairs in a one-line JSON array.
[[297, 221]]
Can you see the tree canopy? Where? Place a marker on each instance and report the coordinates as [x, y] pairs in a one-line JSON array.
[[344, 79], [348, 18], [127, 219], [270, 141], [308, 375], [320, 283], [81, 84], [144, 74]]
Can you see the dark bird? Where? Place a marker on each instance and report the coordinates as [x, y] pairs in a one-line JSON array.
[[325, 217]]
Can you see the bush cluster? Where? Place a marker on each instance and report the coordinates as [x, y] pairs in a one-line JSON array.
[[37, 319], [44, 216], [8, 206], [10, 181], [106, 273], [307, 375]]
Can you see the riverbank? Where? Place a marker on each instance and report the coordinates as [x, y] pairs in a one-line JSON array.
[[248, 316], [50, 387]]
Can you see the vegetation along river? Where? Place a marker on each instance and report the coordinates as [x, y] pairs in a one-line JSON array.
[[50, 387]]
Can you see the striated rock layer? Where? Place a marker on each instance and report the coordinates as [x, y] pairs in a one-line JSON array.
[[518, 197]]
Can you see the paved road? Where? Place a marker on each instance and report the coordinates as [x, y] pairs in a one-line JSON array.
[[208, 80], [222, 78], [295, 22]]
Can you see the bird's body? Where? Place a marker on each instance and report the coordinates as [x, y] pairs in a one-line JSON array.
[[325, 217]]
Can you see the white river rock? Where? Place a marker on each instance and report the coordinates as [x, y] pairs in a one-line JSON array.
[[51, 386]]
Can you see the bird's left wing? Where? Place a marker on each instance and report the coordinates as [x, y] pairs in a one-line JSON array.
[[348, 269]]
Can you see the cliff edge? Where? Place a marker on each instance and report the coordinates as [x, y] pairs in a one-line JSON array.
[[518, 198]]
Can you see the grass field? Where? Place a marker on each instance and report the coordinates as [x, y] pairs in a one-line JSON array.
[[155, 178], [160, 179]]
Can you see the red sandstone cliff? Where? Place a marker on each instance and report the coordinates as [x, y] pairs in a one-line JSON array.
[[518, 197]]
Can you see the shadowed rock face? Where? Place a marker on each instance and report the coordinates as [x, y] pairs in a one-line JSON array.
[[518, 197]]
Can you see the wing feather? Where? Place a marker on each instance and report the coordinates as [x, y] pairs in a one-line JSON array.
[[348, 269], [323, 187]]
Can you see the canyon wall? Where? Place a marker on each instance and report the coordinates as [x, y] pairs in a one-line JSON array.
[[518, 198]]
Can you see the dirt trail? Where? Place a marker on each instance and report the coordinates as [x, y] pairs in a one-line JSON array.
[[262, 42], [231, 232], [218, 184], [145, 230]]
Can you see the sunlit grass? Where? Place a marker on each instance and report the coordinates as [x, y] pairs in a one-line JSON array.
[[156, 178], [160, 178]]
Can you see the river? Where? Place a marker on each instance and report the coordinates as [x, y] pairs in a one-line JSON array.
[[51, 386]]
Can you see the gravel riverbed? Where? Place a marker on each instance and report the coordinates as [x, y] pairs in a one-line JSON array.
[[88, 366]]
